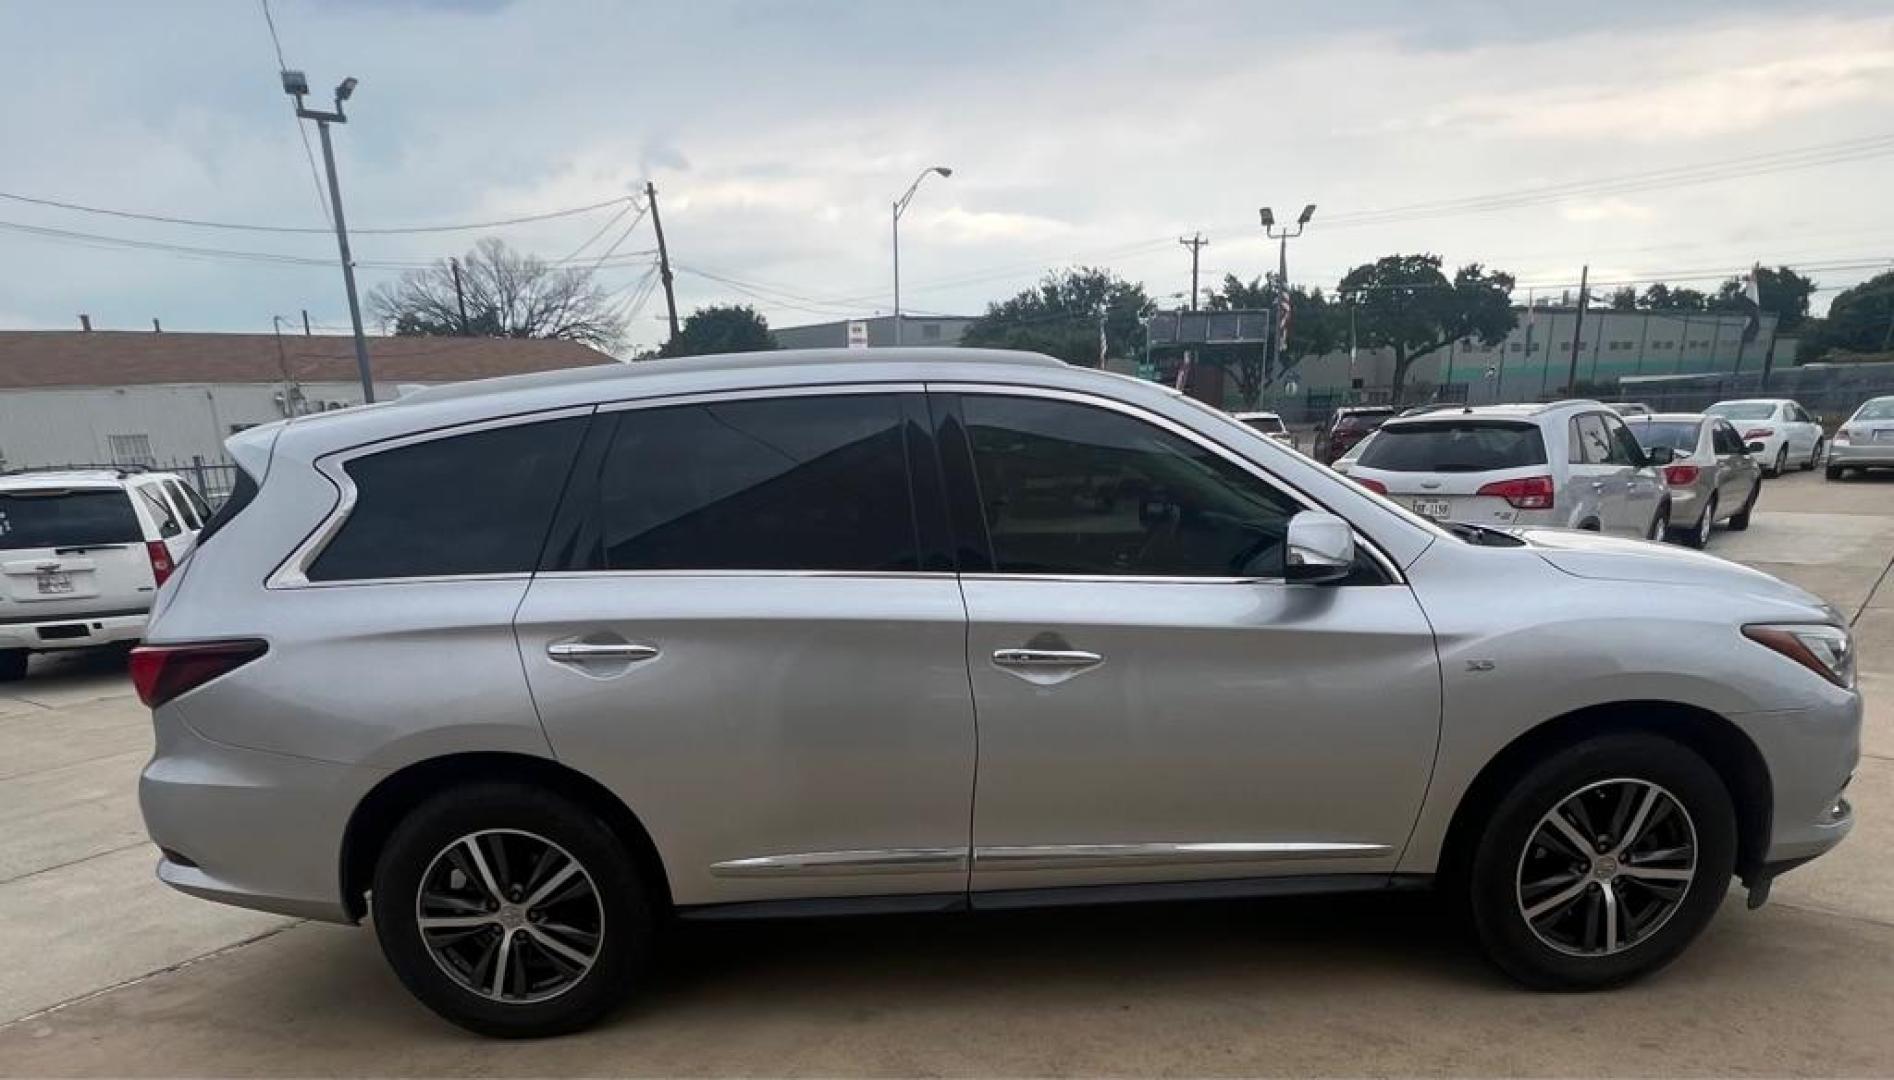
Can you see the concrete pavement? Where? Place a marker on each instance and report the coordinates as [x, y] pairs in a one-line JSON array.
[[109, 973]]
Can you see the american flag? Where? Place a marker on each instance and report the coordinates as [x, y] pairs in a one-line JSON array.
[[1283, 309]]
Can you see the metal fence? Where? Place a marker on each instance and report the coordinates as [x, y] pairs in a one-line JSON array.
[[1832, 390]]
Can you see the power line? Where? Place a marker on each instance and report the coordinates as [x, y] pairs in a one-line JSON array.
[[322, 195], [199, 223]]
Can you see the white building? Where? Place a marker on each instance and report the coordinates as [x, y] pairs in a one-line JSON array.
[[138, 398]]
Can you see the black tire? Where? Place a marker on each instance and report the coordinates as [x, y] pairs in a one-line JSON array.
[[1815, 455], [1740, 520], [12, 665], [1507, 851], [1836, 472], [1698, 536], [1660, 525], [1782, 461], [621, 944]]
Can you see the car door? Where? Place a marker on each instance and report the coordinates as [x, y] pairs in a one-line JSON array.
[[1155, 703], [748, 627], [1737, 472], [1640, 485], [1597, 486]]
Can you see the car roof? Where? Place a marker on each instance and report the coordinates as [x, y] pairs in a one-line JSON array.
[[1524, 411], [1755, 401], [66, 478], [1670, 417]]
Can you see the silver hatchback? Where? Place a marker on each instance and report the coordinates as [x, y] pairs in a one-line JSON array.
[[525, 669]]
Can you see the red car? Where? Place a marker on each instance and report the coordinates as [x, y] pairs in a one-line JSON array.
[[1346, 427]]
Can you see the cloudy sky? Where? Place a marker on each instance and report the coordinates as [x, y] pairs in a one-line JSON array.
[[1682, 140]]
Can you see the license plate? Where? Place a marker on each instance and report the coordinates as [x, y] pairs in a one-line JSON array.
[[51, 582], [1438, 509]]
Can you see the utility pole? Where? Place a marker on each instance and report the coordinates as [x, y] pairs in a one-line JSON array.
[[1195, 244], [292, 393], [1278, 324], [296, 84], [1578, 330], [664, 256], [900, 206], [460, 296], [306, 332]]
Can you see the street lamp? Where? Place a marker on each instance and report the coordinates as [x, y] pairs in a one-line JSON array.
[[1282, 236], [296, 85], [900, 207]]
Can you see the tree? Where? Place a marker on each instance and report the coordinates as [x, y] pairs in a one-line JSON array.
[[1316, 327], [1860, 320], [1661, 297], [1784, 293], [720, 328], [1623, 299], [1060, 317], [507, 294], [1405, 304]]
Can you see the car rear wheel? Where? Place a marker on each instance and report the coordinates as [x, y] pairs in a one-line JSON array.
[[510, 911], [1699, 536], [1836, 472], [12, 665], [1602, 863]]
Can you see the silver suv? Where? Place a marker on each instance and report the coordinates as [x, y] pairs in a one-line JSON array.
[[1572, 464], [523, 669]]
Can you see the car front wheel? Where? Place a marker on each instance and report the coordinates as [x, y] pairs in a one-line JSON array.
[[510, 911], [1602, 863]]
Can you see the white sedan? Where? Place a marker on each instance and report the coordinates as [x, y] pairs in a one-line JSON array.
[[1785, 430]]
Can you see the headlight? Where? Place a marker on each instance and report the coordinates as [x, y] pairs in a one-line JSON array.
[[1828, 651]]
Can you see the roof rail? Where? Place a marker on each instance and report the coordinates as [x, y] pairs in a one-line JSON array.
[[79, 466]]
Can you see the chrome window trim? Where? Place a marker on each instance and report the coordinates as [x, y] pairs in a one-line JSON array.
[[1306, 501], [1080, 856], [702, 397], [293, 572], [886, 575]]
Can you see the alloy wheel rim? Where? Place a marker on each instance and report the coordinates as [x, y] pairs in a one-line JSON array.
[[1708, 523], [511, 916], [1606, 867]]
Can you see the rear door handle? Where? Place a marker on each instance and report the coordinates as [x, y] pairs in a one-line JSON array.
[[1046, 658], [594, 650], [1598, 485]]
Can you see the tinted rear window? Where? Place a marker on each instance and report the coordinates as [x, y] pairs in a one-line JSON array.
[[1679, 435], [1454, 446], [1881, 409], [68, 518], [1265, 424], [1362, 421], [478, 503], [793, 483], [1744, 410]]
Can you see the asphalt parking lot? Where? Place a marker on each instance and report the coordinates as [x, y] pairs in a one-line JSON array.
[[107, 972]]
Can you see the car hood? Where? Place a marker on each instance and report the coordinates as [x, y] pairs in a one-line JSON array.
[[1607, 558]]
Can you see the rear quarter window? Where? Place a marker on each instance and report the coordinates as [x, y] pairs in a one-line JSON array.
[[1454, 446], [67, 518], [478, 503]]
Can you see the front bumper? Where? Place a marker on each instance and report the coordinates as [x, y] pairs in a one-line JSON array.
[[248, 827], [72, 631], [1860, 454], [1811, 755]]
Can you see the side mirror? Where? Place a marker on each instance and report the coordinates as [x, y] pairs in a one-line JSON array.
[[1754, 448], [1320, 549], [1660, 455]]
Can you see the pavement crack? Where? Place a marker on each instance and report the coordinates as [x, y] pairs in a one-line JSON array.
[[73, 862], [1817, 909], [1873, 589], [137, 979]]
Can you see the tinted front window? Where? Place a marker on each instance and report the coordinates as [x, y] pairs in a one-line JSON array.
[[1624, 447], [1073, 489], [1725, 439], [1454, 446], [1743, 410], [67, 519], [1679, 435], [1591, 445], [795, 483], [477, 503]]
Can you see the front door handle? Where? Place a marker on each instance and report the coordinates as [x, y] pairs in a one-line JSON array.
[[1598, 485], [1046, 658], [596, 650]]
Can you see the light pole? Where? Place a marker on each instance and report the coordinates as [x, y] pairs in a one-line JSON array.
[[1277, 326], [900, 207], [296, 85]]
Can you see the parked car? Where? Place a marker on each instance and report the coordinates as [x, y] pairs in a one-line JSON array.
[[1785, 430], [1269, 424], [1627, 409], [82, 554], [1711, 477], [1865, 440], [1571, 464], [711, 640], [1346, 427]]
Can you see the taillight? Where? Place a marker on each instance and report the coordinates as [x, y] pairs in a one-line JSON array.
[[1375, 486], [161, 565], [1758, 433], [1843, 435], [162, 672], [1681, 475], [1525, 493]]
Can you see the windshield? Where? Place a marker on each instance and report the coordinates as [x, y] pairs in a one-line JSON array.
[[1743, 410], [1454, 446], [66, 518], [1265, 424], [1678, 435], [1878, 409]]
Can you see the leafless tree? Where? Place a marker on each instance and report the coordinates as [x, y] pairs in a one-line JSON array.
[[506, 294]]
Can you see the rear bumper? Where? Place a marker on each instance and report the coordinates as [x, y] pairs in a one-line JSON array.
[[73, 631], [1875, 453]]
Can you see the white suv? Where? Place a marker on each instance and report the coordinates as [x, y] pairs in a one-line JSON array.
[[82, 553], [1777, 431], [1571, 464]]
